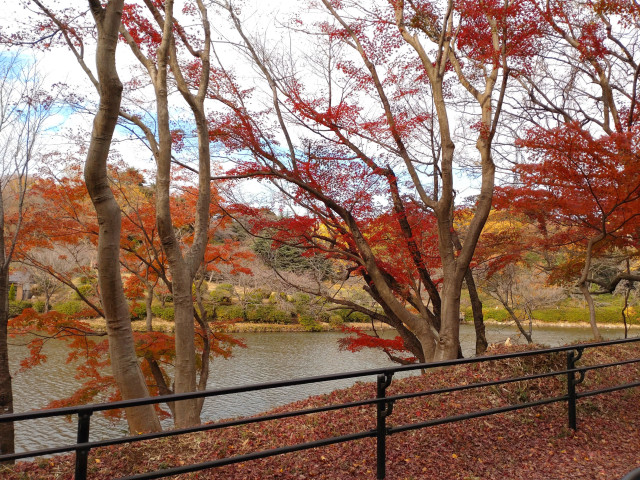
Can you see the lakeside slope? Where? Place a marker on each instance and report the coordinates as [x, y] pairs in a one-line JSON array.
[[98, 324], [532, 444]]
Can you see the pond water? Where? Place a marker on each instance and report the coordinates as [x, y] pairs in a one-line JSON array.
[[268, 357]]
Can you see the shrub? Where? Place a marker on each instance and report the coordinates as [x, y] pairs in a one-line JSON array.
[[359, 317], [72, 307], [222, 294], [256, 296], [275, 297], [12, 292], [300, 298], [38, 306], [209, 308], [336, 321], [84, 289], [138, 311], [16, 308], [351, 316], [497, 314], [230, 312], [309, 323], [203, 289], [165, 313], [267, 314], [323, 316], [168, 314]]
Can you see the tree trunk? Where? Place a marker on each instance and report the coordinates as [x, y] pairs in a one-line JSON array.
[[124, 362], [183, 267], [514, 317], [583, 284], [478, 318], [187, 412], [148, 301], [448, 344], [592, 311], [6, 391], [7, 433]]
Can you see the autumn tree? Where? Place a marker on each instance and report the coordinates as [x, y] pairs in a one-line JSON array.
[[142, 255], [580, 180], [157, 58], [370, 116], [60, 243], [124, 361], [513, 271], [25, 108], [170, 57], [70, 233]]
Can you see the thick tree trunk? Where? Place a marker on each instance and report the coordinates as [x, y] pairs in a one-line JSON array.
[[448, 345], [124, 362], [6, 390], [187, 412]]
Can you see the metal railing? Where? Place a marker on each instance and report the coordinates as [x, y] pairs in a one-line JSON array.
[[633, 475], [384, 408]]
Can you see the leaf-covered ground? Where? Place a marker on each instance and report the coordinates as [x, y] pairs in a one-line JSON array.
[[528, 444]]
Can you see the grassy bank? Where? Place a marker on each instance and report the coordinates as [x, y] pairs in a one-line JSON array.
[[570, 311], [160, 325], [534, 444]]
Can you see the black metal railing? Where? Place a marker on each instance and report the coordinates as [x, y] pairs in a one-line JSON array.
[[633, 475], [384, 408]]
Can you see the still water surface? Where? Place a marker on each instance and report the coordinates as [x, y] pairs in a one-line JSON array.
[[268, 357]]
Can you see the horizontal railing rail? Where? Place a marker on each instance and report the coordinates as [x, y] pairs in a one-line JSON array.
[[384, 408]]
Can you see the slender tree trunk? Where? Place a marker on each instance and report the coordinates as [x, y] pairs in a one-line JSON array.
[[514, 317], [478, 318], [148, 304], [624, 311], [7, 433], [6, 390], [476, 303], [186, 411], [183, 267], [583, 285], [592, 311], [124, 362]]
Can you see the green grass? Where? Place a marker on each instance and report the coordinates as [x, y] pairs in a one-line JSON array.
[[605, 314]]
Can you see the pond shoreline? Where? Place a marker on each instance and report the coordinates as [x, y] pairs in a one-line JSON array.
[[160, 325]]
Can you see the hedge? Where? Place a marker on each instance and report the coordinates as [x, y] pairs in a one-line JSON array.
[[16, 308], [166, 313], [72, 307], [267, 314]]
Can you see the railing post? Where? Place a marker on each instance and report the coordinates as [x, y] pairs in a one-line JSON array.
[[572, 358], [571, 389], [82, 454], [383, 410]]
